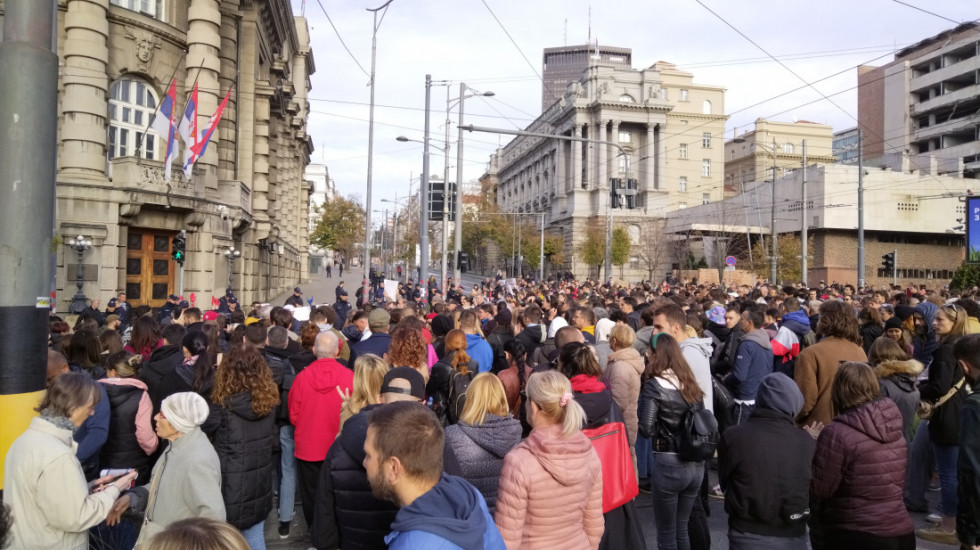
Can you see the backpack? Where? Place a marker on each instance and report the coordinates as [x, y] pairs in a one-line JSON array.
[[698, 436], [458, 384], [808, 340]]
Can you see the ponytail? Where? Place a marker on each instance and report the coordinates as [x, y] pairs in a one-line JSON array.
[[552, 393]]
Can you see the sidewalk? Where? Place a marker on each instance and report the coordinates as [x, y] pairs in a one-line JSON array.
[[321, 288]]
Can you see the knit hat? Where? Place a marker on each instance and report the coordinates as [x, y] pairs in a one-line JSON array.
[[903, 311], [378, 318], [893, 322], [185, 411], [441, 325], [778, 392], [111, 319]]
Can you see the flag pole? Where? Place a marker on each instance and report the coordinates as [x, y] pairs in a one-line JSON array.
[[139, 142]]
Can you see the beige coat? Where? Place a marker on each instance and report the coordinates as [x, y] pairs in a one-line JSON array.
[[550, 493], [816, 367], [623, 374], [46, 490]]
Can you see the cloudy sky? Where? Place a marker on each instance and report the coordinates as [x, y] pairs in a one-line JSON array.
[[497, 45]]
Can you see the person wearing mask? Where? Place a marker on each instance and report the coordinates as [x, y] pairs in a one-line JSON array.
[[403, 457], [859, 467], [484, 435], [550, 491], [186, 481], [44, 485], [669, 390], [946, 389], [764, 470]]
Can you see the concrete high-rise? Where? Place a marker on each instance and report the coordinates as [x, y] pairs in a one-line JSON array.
[[563, 65]]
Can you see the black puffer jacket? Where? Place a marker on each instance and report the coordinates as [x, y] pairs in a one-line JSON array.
[[244, 443], [660, 413], [122, 448], [480, 449], [347, 514], [159, 366], [944, 373]]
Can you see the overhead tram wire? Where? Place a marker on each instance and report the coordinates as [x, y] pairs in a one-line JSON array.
[[342, 43], [512, 41], [927, 11]]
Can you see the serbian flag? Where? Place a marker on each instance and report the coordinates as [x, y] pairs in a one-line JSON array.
[[197, 150], [188, 130], [163, 124]]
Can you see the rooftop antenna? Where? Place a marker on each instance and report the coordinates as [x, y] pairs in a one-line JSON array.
[[589, 41], [565, 33]]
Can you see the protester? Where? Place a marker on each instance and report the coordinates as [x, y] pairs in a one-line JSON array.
[[131, 440], [897, 373], [455, 362], [623, 374], [514, 377], [476, 347], [408, 349], [966, 350], [201, 533]]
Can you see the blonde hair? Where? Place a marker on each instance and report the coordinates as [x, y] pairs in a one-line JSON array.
[[198, 533], [369, 374], [546, 390], [623, 335], [484, 396]]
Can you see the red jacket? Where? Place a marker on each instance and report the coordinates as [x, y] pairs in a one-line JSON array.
[[314, 407], [859, 471]]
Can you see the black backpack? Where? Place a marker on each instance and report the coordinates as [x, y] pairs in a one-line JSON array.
[[698, 436], [458, 384]]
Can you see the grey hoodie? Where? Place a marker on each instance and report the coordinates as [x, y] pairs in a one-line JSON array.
[[697, 353]]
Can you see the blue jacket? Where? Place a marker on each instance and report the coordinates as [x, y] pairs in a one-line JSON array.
[[378, 344], [451, 516], [480, 350], [753, 361], [92, 435]]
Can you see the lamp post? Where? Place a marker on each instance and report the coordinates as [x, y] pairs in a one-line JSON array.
[[78, 302], [231, 254], [457, 272]]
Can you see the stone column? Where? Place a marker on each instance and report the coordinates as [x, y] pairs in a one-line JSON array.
[[204, 64], [260, 157], [650, 165], [589, 176], [602, 170], [561, 170], [577, 159], [228, 129], [82, 155]]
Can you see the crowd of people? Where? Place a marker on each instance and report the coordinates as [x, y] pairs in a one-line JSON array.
[[518, 414]]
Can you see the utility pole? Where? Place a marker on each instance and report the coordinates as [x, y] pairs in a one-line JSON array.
[[28, 160], [424, 192], [772, 224], [860, 273], [803, 229]]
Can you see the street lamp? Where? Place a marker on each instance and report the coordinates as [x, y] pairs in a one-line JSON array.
[[459, 172], [231, 254], [79, 244]]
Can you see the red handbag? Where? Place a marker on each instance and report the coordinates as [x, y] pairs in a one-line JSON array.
[[618, 477]]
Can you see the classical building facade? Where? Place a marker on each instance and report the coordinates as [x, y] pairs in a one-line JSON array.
[[248, 192], [669, 128], [752, 155]]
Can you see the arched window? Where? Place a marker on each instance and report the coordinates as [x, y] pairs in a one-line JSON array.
[[626, 98], [132, 104], [788, 148], [706, 107]]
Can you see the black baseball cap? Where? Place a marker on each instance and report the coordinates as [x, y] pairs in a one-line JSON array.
[[406, 373]]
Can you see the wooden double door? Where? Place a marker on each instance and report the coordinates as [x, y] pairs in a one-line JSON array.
[[150, 269]]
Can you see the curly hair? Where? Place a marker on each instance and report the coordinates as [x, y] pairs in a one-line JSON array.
[[408, 349], [838, 320], [244, 370], [456, 342]]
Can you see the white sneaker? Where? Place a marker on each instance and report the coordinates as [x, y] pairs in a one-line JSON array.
[[935, 518]]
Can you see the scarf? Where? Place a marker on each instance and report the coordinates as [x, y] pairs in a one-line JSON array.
[[59, 421]]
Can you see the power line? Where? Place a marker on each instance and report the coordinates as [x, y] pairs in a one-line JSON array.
[[342, 43], [926, 11], [512, 41]]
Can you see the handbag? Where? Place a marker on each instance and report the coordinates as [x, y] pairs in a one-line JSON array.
[[927, 409], [723, 403], [618, 477]]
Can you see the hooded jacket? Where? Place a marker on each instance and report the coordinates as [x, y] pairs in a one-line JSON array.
[[924, 344], [532, 337], [697, 353], [564, 475], [314, 407], [623, 376], [452, 515], [480, 350], [787, 343], [753, 360], [859, 471], [480, 450], [244, 442], [764, 464], [896, 379], [161, 364]]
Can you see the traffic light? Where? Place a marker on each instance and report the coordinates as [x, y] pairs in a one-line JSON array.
[[179, 249], [632, 188], [888, 262], [437, 200], [451, 197], [614, 188]]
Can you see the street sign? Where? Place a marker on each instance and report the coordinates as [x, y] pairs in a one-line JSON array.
[[729, 268], [730, 261]]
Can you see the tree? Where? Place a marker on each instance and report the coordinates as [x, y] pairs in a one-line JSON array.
[[341, 226], [655, 249], [967, 276], [593, 249], [788, 251], [621, 246]]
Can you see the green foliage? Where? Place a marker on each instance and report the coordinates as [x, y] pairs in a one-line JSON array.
[[694, 263], [788, 251], [620, 246], [340, 227], [593, 249], [966, 276]]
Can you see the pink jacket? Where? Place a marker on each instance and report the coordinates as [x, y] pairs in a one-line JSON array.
[[551, 493]]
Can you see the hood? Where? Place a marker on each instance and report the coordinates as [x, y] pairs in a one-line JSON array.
[[797, 321], [564, 458], [760, 337], [911, 368], [928, 311], [535, 333], [322, 377], [879, 419], [496, 435], [629, 356], [451, 510], [352, 437], [472, 340], [720, 331], [133, 382], [163, 353], [701, 345], [281, 353], [779, 393], [602, 328], [556, 323], [240, 404]]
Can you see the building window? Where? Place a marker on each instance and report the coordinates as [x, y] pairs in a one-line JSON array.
[[682, 151], [152, 8], [705, 198], [683, 95], [626, 98], [788, 148], [681, 205], [706, 168], [682, 186], [625, 136], [706, 140], [624, 164], [706, 107], [132, 104]]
